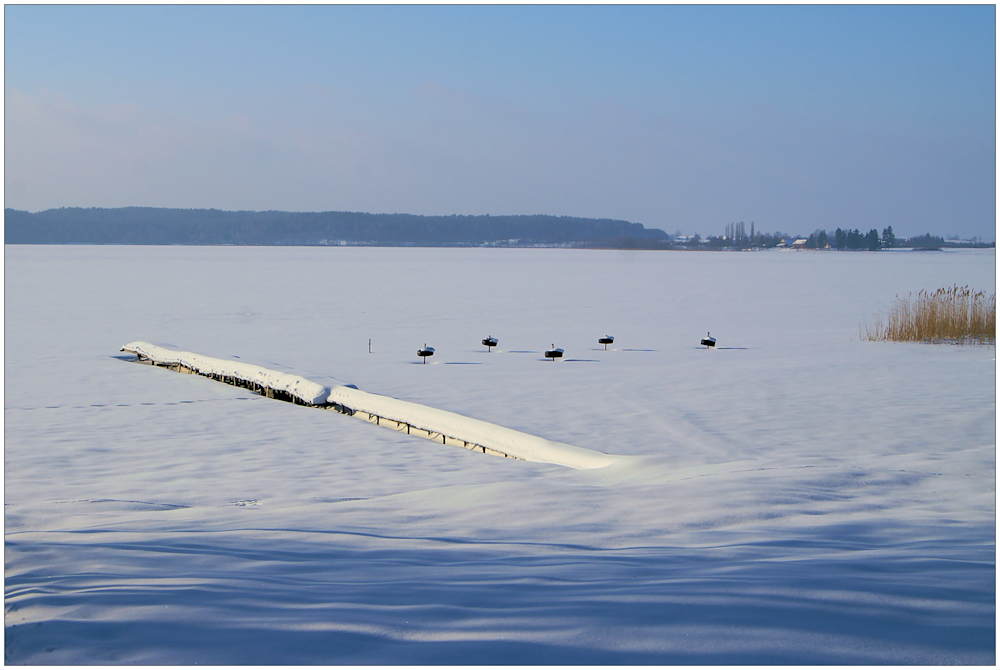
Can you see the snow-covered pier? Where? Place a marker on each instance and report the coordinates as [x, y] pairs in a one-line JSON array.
[[412, 418], [270, 383]]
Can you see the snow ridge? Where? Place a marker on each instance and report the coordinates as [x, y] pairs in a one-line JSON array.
[[433, 423]]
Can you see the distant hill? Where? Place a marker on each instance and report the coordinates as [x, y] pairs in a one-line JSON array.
[[149, 225]]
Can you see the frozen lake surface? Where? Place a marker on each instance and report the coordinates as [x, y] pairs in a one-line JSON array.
[[794, 496]]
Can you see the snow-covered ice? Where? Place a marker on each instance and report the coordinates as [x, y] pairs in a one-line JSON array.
[[795, 495]]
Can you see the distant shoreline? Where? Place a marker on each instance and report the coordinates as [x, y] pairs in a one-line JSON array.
[[211, 227], [952, 247]]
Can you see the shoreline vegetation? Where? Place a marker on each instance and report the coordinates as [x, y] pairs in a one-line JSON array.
[[956, 315], [162, 226]]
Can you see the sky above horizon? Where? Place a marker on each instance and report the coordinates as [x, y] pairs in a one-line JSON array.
[[683, 118]]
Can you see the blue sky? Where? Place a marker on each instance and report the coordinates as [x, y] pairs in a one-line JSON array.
[[678, 117]]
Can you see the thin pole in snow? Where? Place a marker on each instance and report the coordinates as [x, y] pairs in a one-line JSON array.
[[369, 345]]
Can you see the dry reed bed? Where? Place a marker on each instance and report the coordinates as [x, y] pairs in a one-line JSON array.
[[957, 314]]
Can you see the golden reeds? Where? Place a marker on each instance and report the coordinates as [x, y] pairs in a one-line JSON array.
[[956, 314]]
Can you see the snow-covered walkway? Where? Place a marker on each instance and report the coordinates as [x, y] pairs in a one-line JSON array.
[[416, 419]]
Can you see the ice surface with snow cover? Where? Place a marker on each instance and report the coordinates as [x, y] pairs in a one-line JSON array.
[[795, 496]]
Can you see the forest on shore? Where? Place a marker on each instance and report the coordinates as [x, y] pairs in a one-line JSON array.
[[149, 225], [736, 237]]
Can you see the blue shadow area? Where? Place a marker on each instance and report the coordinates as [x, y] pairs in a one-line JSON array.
[[242, 598]]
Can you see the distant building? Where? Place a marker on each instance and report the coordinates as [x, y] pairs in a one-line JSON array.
[[800, 243]]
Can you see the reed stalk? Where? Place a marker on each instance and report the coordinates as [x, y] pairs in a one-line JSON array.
[[958, 315]]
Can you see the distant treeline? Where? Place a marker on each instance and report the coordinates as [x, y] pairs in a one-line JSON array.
[[151, 225], [148, 225], [737, 237]]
